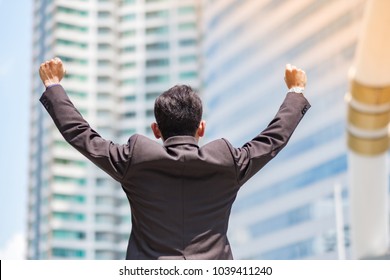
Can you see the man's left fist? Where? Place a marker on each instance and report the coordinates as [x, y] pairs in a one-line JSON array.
[[51, 72]]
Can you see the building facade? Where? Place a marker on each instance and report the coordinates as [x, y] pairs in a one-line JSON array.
[[119, 55], [287, 211]]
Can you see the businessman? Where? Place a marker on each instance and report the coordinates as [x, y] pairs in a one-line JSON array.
[[180, 194]]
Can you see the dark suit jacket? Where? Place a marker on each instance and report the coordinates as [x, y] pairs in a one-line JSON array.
[[180, 194]]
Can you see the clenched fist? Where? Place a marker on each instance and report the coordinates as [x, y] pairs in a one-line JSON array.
[[294, 77], [51, 72]]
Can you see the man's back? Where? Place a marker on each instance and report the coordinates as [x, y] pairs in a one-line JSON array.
[[180, 197]]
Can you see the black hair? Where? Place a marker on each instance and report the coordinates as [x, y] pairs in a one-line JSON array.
[[178, 111]]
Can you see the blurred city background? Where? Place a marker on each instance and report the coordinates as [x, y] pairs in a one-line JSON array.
[[119, 56]]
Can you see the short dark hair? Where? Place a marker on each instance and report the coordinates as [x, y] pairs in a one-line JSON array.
[[178, 111]]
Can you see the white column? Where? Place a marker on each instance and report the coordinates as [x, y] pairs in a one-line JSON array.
[[368, 119]]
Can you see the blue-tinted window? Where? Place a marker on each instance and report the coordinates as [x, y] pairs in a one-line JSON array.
[[157, 79], [69, 198], [68, 234], [157, 14], [69, 216], [188, 42], [68, 253], [299, 181], [159, 30], [299, 250], [279, 222], [158, 62], [157, 46]]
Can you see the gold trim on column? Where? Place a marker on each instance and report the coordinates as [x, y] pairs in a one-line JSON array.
[[370, 95], [369, 147], [368, 121]]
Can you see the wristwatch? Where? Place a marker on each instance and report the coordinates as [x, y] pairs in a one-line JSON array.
[[297, 89]]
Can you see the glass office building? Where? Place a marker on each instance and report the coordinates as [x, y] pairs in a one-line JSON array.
[[287, 211], [119, 56]]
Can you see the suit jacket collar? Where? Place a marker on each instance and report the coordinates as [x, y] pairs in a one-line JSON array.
[[181, 140]]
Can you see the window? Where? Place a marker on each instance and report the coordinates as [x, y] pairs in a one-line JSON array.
[[103, 182], [186, 10], [157, 79], [157, 14], [104, 200], [297, 250], [69, 216], [104, 46], [128, 49], [104, 236], [128, 65], [187, 26], [149, 113], [148, 130], [129, 115], [127, 132], [282, 221], [61, 144], [129, 81], [67, 253], [77, 94], [71, 11], [157, 46], [103, 96], [104, 219], [188, 59], [104, 254], [69, 198], [68, 180], [159, 30], [103, 14], [66, 26], [69, 162], [127, 17], [128, 2], [130, 98], [103, 62], [187, 42], [103, 79], [103, 113], [151, 95], [79, 78], [188, 75], [128, 33], [157, 62], [154, 1], [125, 219], [299, 181], [104, 30], [74, 60], [69, 43], [68, 234]]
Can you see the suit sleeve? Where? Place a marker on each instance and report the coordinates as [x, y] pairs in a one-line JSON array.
[[110, 157], [253, 155]]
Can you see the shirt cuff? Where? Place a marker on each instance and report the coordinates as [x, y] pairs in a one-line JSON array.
[[53, 85]]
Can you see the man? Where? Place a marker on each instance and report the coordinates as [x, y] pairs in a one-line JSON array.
[[180, 194]]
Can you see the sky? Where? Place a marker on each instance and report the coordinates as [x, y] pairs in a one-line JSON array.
[[15, 70]]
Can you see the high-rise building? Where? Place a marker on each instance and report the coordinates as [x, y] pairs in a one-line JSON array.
[[287, 211], [119, 55]]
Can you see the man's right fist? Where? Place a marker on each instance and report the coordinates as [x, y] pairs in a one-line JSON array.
[[51, 72], [294, 77]]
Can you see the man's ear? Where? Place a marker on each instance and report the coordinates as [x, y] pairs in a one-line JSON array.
[[156, 130], [201, 129]]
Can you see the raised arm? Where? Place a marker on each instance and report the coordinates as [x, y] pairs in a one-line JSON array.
[[110, 157], [253, 155]]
